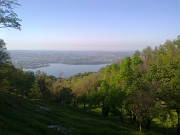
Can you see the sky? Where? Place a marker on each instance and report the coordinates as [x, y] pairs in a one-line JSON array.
[[93, 25]]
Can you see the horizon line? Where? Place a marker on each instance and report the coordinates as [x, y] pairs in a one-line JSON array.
[[77, 50]]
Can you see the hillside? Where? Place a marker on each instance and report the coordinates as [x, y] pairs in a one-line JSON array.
[[19, 116]]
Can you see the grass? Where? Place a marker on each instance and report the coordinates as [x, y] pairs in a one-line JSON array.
[[20, 116]]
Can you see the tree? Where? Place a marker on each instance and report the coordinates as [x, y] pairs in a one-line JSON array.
[[55, 90], [4, 56], [126, 74], [27, 81], [9, 19], [141, 104], [177, 41], [170, 88], [104, 97], [65, 95], [7, 80], [35, 92], [42, 84]]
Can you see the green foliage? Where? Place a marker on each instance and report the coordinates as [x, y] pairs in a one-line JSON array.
[[9, 19], [25, 117], [4, 56], [65, 95], [142, 88], [42, 83]]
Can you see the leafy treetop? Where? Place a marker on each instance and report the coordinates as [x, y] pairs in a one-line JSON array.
[[9, 19]]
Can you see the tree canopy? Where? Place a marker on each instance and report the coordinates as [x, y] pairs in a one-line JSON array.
[[4, 56], [8, 18]]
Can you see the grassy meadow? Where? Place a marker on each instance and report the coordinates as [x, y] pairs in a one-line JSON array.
[[20, 116]]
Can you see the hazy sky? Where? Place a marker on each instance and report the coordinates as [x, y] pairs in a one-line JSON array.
[[117, 25]]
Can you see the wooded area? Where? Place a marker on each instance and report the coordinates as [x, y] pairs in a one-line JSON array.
[[143, 87]]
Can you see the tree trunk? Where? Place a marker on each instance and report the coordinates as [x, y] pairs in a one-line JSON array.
[[178, 124], [16, 92], [77, 103], [105, 110], [22, 94], [74, 102], [9, 91], [148, 122], [121, 116], [121, 113], [84, 105], [130, 117], [133, 119], [140, 127]]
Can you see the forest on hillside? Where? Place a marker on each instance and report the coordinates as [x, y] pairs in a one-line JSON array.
[[143, 87]]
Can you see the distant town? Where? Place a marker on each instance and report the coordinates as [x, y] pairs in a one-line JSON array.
[[36, 59]]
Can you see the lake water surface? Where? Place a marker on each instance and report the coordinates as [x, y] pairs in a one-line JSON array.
[[68, 70]]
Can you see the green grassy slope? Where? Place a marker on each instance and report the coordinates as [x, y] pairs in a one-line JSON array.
[[19, 116]]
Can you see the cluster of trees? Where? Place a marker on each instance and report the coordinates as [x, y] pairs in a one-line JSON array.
[[143, 87], [26, 83], [16, 80]]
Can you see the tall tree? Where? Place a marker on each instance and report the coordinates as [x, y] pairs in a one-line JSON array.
[[4, 56], [7, 81], [147, 57], [8, 19], [42, 84]]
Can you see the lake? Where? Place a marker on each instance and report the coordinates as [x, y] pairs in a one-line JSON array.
[[68, 70]]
